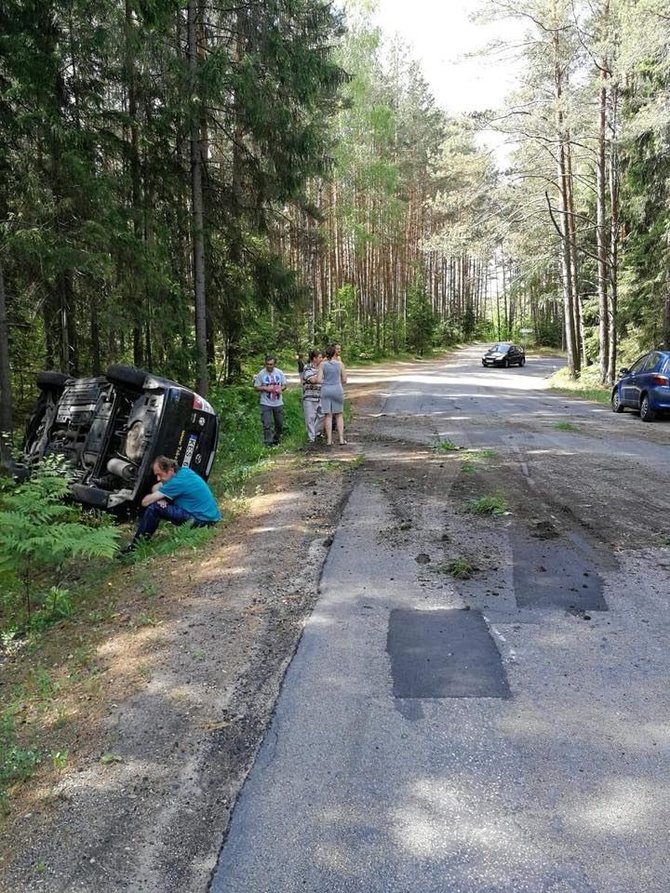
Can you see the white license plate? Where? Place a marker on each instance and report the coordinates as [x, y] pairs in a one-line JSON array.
[[190, 449]]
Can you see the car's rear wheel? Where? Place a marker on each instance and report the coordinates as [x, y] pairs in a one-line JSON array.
[[617, 405], [128, 376], [647, 414], [47, 381]]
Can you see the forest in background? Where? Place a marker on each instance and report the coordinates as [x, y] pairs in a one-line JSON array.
[[183, 186]]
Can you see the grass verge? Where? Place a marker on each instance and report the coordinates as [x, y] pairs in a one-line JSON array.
[[586, 387], [39, 706]]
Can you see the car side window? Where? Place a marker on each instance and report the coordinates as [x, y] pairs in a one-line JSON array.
[[639, 365], [653, 362]]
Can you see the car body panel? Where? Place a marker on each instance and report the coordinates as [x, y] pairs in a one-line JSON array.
[[648, 377], [504, 353], [110, 429]]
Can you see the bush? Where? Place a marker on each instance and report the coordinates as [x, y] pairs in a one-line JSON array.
[[40, 531]]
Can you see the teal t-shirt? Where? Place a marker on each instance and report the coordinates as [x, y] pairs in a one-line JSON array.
[[188, 490]]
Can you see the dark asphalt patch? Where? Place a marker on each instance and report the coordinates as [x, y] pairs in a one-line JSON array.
[[444, 654], [557, 573]]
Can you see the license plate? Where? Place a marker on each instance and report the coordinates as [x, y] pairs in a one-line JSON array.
[[190, 449]]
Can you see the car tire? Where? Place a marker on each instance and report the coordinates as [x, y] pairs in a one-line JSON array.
[[522, 362], [128, 376], [47, 381], [647, 414], [483, 364], [617, 405], [505, 363]]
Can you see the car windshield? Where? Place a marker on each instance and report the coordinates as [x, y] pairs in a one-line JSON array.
[[502, 346]]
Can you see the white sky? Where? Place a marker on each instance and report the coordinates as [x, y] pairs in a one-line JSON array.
[[439, 35]]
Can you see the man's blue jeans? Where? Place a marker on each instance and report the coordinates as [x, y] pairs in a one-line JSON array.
[[157, 512]]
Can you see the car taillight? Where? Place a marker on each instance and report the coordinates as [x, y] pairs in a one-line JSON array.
[[663, 380], [197, 401]]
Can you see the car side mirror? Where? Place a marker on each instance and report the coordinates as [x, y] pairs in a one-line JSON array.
[[624, 371]]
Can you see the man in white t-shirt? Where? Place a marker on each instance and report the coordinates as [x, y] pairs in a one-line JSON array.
[[271, 383]]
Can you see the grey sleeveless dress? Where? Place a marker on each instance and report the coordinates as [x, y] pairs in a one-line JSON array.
[[332, 392]]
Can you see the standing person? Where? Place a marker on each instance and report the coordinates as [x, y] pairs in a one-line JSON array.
[[271, 383], [300, 362], [311, 396], [180, 495], [338, 351], [332, 376]]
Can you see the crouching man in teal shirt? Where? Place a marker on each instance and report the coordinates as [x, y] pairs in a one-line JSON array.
[[180, 495]]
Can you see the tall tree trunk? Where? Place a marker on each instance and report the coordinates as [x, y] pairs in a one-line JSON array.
[[614, 241], [135, 171], [601, 217], [5, 371], [564, 226], [197, 205]]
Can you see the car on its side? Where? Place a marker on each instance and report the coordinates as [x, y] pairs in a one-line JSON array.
[[110, 429], [645, 386], [504, 354]]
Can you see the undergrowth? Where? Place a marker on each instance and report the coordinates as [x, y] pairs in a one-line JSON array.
[[587, 386], [488, 505], [58, 574]]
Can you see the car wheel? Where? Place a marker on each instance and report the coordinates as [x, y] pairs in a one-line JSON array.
[[522, 361], [47, 381], [617, 405], [505, 363], [126, 375], [483, 364], [647, 414]]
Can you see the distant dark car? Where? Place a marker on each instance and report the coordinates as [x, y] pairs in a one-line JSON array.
[[645, 386], [504, 354], [110, 429]]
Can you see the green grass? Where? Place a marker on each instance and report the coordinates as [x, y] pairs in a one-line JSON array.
[[488, 505], [458, 568], [483, 454], [446, 446], [566, 426], [17, 763], [586, 387]]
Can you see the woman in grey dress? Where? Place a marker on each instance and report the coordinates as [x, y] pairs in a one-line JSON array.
[[332, 377]]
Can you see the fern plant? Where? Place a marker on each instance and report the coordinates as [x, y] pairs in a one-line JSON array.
[[40, 531]]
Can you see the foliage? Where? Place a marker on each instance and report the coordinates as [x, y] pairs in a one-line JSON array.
[[488, 505], [586, 385], [17, 763], [40, 532], [446, 446], [420, 320], [459, 568]]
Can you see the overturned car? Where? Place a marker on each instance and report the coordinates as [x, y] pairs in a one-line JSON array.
[[111, 428]]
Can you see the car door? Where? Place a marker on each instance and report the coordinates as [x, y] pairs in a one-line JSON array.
[[645, 378], [633, 382]]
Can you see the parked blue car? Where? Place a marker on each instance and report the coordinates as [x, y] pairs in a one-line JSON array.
[[645, 386]]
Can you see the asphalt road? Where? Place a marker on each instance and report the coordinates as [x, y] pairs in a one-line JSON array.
[[503, 733]]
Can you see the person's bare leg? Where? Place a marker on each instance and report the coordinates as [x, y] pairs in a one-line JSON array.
[[339, 422], [328, 428]]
